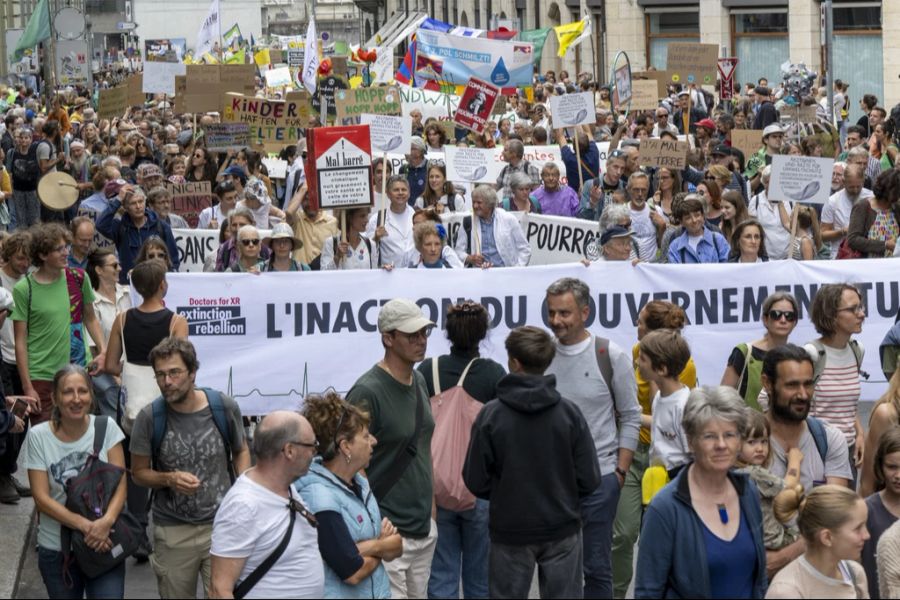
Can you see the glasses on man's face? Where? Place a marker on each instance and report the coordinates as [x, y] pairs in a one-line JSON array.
[[173, 374], [788, 315], [314, 445], [422, 333], [250, 242], [858, 309]]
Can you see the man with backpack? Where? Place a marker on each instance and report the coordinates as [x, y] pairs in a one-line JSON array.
[[598, 377], [787, 377], [514, 155], [188, 446]]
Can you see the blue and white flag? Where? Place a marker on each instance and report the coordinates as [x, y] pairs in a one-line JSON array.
[[210, 30], [311, 58]]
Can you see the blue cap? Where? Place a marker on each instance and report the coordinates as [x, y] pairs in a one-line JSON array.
[[616, 231], [236, 171]]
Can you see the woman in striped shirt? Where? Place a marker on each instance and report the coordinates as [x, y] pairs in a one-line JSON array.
[[838, 312]]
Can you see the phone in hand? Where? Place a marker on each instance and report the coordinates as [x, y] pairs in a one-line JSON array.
[[19, 408]]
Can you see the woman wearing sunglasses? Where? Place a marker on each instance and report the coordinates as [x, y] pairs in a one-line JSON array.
[[248, 245], [779, 317]]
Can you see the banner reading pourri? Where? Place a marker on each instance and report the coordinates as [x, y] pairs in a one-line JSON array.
[[269, 339]]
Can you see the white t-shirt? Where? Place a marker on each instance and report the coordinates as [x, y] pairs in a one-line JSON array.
[[260, 215], [399, 238], [837, 212], [208, 214], [250, 523], [778, 237], [44, 451], [644, 233], [669, 443], [7, 337], [358, 259]]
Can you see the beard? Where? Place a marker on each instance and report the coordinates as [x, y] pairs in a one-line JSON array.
[[782, 412]]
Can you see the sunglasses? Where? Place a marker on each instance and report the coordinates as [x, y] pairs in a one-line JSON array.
[[789, 315], [298, 508], [709, 178], [252, 242]]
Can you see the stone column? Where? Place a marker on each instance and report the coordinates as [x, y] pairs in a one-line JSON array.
[[890, 39], [804, 27]]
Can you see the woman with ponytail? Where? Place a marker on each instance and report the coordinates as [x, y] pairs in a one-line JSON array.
[[832, 521], [353, 538]]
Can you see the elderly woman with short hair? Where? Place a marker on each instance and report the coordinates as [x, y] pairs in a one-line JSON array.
[[706, 525], [248, 245], [520, 200]]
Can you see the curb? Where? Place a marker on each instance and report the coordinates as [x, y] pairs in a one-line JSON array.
[[32, 523]]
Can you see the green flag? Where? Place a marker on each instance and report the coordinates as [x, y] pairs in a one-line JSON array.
[[37, 30], [536, 37]]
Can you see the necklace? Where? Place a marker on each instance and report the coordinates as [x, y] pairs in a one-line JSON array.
[[723, 513]]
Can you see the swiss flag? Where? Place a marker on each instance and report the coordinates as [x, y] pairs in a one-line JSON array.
[[502, 34]]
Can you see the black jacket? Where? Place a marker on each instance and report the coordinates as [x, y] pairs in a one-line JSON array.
[[765, 116], [533, 457]]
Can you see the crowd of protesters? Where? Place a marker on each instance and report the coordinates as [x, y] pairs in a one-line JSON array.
[[576, 454]]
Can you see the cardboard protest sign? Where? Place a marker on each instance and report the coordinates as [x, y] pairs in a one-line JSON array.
[[748, 141], [644, 94], [572, 109], [338, 166], [271, 121], [222, 137], [662, 79], [113, 102], [190, 198], [180, 92], [801, 178], [689, 62], [473, 165], [476, 104], [663, 153], [135, 89], [350, 104], [389, 133]]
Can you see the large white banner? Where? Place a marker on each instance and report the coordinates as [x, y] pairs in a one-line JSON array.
[[456, 59], [269, 339]]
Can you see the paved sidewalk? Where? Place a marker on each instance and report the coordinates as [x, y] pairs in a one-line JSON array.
[[15, 523]]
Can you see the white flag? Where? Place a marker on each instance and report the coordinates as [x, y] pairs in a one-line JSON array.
[[311, 58], [210, 31], [585, 33]]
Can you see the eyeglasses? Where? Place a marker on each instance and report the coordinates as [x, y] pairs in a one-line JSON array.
[[422, 333], [251, 242], [301, 510], [63, 248], [728, 437], [788, 315], [172, 374], [859, 309], [314, 445]]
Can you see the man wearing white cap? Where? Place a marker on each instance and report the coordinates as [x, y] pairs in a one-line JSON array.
[[772, 137], [396, 398]]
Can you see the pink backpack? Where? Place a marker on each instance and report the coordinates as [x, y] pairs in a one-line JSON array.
[[454, 413]]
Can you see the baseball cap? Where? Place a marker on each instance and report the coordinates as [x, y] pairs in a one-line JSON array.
[[237, 171], [149, 170], [773, 128], [706, 124], [402, 315], [616, 231], [112, 187], [721, 149]]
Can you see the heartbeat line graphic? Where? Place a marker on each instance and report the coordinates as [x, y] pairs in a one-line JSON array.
[[302, 393]]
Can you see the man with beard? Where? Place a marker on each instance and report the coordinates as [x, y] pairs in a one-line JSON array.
[[836, 212], [787, 377], [189, 446]]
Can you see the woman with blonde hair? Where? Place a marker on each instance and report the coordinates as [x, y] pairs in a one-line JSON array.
[[832, 521]]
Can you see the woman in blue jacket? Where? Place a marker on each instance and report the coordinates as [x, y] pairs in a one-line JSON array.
[[353, 538], [702, 535]]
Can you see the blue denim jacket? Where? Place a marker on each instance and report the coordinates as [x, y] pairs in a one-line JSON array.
[[321, 490], [712, 249], [672, 563]]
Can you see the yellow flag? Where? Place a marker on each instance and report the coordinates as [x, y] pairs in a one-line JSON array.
[[568, 33], [238, 58], [355, 82], [262, 58], [210, 59]]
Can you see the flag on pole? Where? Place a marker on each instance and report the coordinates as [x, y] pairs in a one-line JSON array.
[[210, 30], [233, 36], [311, 58], [238, 58], [37, 30], [404, 73], [572, 34], [262, 58]]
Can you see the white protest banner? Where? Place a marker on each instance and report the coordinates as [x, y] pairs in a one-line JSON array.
[[801, 178], [159, 77], [455, 59], [196, 245], [293, 330], [388, 133], [657, 153], [430, 103], [280, 77], [222, 137], [276, 167], [473, 165], [568, 110]]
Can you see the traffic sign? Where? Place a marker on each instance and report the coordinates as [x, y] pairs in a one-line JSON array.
[[126, 26], [726, 67]]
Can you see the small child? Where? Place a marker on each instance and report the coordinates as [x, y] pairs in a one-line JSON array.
[[663, 356], [754, 460]]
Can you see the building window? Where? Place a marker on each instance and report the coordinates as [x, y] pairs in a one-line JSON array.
[[761, 44], [665, 27], [850, 18], [858, 54]]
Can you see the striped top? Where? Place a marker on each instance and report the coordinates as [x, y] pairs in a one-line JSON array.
[[837, 392]]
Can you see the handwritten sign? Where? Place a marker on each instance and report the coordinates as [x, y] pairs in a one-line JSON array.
[[276, 167], [190, 198], [473, 165], [113, 102], [270, 121], [748, 141], [692, 63], [389, 133], [801, 178], [643, 94], [222, 137], [159, 77], [326, 91], [350, 104], [663, 153], [572, 109]]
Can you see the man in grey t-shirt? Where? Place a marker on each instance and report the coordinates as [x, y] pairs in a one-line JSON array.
[[192, 470]]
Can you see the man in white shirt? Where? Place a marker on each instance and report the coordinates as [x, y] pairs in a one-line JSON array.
[[394, 233], [254, 515], [493, 238], [775, 218], [646, 224], [836, 212]]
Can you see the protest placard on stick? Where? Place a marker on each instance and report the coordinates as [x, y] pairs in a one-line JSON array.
[[663, 153], [475, 107], [644, 94], [800, 178], [569, 110], [689, 62], [113, 102], [350, 104], [271, 121], [748, 141], [190, 198], [222, 137]]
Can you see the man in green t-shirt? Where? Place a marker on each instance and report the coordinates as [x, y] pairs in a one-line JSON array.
[[396, 398], [53, 308]]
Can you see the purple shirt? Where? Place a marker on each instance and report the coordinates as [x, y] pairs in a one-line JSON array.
[[563, 202]]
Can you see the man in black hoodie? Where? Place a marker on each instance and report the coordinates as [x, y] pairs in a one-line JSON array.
[[532, 455]]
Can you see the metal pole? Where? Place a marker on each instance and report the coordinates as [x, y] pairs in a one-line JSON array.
[[829, 55]]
